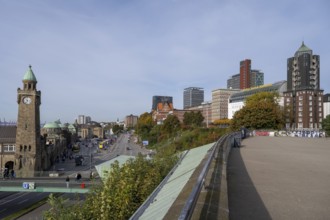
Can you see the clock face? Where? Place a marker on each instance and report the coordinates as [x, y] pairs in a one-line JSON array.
[[27, 100]]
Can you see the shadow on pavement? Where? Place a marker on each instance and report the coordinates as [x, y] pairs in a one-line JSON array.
[[244, 200]]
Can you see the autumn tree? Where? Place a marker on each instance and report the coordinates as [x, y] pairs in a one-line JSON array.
[[326, 125], [144, 125], [225, 122], [193, 119], [170, 125], [261, 111]]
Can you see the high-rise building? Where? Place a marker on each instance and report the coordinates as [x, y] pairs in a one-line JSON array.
[[256, 78], [83, 119], [304, 99], [247, 78], [234, 82], [245, 73], [161, 99], [192, 96]]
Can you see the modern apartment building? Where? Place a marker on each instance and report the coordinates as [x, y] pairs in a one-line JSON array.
[[192, 96], [304, 98]]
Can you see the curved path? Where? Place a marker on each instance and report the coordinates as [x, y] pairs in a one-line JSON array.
[[279, 178]]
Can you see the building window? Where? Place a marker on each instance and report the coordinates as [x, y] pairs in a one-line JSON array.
[[320, 109], [9, 148], [310, 103], [320, 114], [310, 97], [300, 98], [300, 108], [320, 120], [300, 114], [310, 125], [300, 125], [311, 114], [300, 103], [310, 119], [310, 108], [320, 104], [320, 98], [300, 119]]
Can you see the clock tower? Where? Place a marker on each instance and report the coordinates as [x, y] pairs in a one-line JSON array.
[[28, 144]]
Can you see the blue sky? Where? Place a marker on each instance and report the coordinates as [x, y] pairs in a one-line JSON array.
[[106, 59]]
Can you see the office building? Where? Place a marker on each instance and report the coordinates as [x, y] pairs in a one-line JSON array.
[[245, 73], [247, 78], [220, 99], [237, 100], [234, 82], [161, 99], [192, 96], [256, 78]]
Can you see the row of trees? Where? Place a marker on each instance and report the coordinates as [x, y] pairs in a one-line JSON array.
[[147, 129], [124, 190]]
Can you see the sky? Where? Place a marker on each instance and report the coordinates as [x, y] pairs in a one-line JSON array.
[[107, 59]]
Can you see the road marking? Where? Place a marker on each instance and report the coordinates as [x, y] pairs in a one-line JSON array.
[[16, 197], [23, 201]]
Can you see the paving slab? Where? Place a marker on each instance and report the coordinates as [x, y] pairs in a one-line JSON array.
[[279, 178]]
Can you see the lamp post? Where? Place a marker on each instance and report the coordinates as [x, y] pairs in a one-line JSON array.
[[90, 155]]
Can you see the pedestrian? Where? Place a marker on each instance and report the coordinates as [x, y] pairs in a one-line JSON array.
[[12, 172], [67, 180]]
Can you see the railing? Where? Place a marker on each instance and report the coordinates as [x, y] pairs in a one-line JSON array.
[[151, 198], [223, 145]]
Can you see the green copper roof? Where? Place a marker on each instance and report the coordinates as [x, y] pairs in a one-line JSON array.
[[29, 75], [52, 125], [303, 48]]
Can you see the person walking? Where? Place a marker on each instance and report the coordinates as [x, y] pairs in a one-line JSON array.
[[67, 180]]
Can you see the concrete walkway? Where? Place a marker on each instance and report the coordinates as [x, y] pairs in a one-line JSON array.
[[280, 178]]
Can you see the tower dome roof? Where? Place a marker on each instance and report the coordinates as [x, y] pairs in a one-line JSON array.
[[29, 75], [52, 125], [303, 49]]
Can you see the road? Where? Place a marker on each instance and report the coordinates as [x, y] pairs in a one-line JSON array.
[[122, 146]]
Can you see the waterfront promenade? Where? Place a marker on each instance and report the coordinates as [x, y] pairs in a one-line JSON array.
[[279, 178]]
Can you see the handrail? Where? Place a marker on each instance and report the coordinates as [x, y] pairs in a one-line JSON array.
[[189, 206]]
